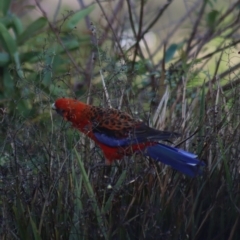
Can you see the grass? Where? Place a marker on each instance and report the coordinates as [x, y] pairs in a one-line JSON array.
[[53, 187]]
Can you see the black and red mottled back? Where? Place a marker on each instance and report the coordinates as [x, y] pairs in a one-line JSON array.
[[120, 125]]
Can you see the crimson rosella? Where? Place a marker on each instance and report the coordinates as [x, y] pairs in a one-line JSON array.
[[119, 135]]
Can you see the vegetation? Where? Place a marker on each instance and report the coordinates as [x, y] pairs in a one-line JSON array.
[[53, 183]]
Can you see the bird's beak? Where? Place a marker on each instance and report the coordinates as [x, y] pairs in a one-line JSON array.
[[59, 111], [54, 107]]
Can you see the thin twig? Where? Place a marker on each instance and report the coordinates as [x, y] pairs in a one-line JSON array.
[[153, 22], [110, 25], [105, 90]]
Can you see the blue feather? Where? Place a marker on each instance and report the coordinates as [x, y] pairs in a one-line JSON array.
[[114, 142], [178, 159]]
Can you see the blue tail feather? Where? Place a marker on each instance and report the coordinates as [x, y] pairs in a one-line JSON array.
[[178, 159]]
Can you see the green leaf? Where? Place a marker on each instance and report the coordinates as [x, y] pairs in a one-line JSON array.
[[93, 200], [17, 25], [8, 83], [117, 186], [10, 46], [76, 18], [7, 41], [35, 231], [4, 59], [140, 67], [212, 17], [29, 56], [18, 64], [69, 44], [22, 107], [170, 52], [6, 21], [32, 29], [4, 6]]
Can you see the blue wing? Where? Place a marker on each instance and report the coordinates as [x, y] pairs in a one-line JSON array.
[[178, 159], [131, 135], [115, 142]]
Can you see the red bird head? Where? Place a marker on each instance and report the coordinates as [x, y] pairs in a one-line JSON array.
[[69, 108]]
